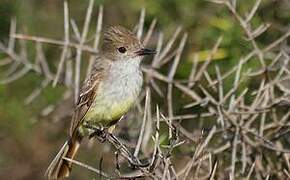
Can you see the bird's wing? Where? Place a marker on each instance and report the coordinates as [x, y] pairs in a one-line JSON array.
[[87, 95]]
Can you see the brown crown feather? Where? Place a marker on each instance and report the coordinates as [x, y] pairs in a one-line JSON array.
[[118, 36]]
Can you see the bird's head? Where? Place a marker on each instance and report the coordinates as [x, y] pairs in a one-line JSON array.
[[121, 44]]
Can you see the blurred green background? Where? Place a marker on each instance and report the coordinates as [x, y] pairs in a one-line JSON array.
[[28, 142]]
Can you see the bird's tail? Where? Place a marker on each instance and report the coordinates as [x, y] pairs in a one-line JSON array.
[[60, 168]]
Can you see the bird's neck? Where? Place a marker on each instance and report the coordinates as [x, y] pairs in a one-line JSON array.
[[128, 66], [124, 79]]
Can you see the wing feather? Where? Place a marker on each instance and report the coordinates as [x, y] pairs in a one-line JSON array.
[[88, 94]]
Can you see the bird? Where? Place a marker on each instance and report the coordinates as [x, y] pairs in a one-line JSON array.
[[108, 93]]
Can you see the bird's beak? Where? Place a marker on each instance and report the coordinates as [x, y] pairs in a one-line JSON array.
[[145, 51]]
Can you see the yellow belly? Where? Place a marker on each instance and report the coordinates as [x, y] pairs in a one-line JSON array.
[[103, 113]]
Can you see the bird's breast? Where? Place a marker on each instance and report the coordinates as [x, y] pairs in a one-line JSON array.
[[117, 93]]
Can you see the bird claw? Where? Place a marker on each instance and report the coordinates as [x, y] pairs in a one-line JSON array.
[[99, 133]]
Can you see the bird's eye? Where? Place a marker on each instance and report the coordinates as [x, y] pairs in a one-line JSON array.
[[122, 49]]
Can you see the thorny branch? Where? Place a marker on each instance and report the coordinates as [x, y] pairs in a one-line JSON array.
[[249, 125]]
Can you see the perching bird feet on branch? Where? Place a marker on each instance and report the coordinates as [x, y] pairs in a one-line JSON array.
[[99, 133], [102, 134]]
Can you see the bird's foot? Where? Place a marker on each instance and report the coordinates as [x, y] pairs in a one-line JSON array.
[[97, 132], [100, 134]]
